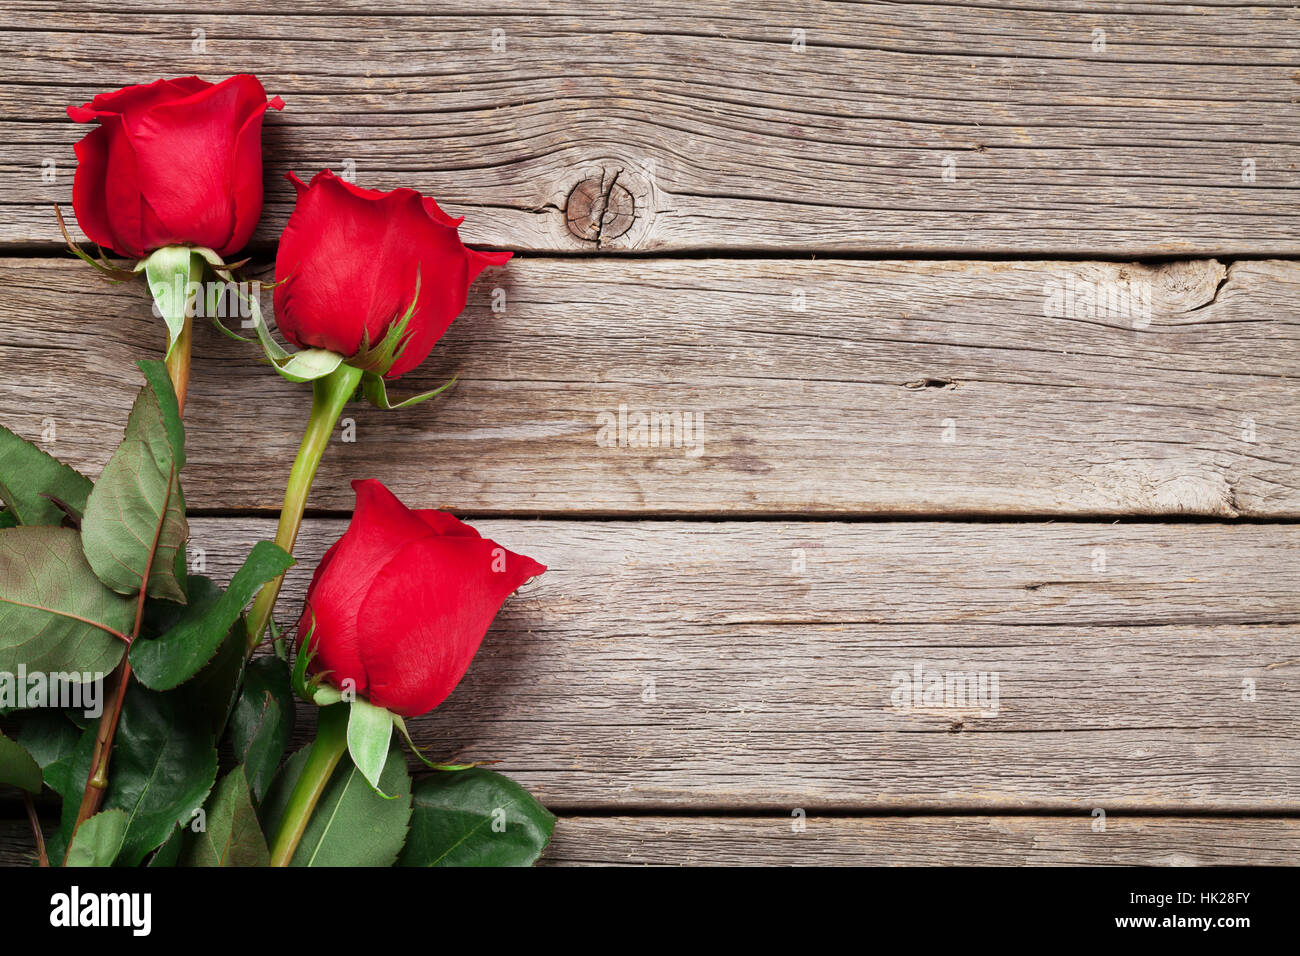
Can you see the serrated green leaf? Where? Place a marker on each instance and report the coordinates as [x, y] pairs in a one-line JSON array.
[[161, 616], [55, 614], [176, 656], [273, 805], [98, 840], [28, 475], [164, 764], [49, 736], [169, 854], [134, 526], [351, 825], [261, 721], [370, 730], [160, 381], [475, 818], [67, 767], [17, 767], [210, 694], [67, 777], [232, 836], [7, 518]]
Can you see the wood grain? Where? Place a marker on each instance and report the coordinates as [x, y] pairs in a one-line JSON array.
[[677, 689], [824, 388], [743, 665], [725, 134], [924, 841], [890, 841]]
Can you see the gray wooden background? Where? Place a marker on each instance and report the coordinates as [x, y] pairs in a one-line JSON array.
[[858, 240]]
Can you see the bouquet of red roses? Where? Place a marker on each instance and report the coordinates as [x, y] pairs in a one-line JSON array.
[[181, 760]]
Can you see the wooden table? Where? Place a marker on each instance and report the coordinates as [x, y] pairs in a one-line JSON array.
[[858, 240]]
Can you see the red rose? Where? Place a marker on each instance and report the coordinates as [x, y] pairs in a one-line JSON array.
[[175, 162], [400, 603], [348, 262]]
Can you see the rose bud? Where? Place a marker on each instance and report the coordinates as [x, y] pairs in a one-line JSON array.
[[366, 284], [351, 262], [172, 163], [400, 603]]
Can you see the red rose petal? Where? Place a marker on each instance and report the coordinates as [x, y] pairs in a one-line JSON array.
[[246, 188], [122, 190], [186, 150], [88, 187], [380, 525], [132, 102], [425, 614], [178, 161], [440, 217], [348, 263], [443, 523]]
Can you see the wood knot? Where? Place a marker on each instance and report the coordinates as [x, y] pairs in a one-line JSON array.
[[600, 208]]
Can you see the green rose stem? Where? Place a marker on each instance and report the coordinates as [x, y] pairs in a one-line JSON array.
[[178, 361], [178, 369], [326, 751], [329, 394]]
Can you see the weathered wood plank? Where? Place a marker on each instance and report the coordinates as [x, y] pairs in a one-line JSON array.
[[16, 848], [757, 664], [722, 133], [826, 388], [924, 841], [891, 841]]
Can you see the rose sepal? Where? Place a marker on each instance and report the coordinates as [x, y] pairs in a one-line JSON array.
[[370, 727], [376, 361], [309, 364], [303, 366], [400, 724], [379, 358], [312, 687], [370, 730], [173, 274], [376, 392], [100, 264]]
